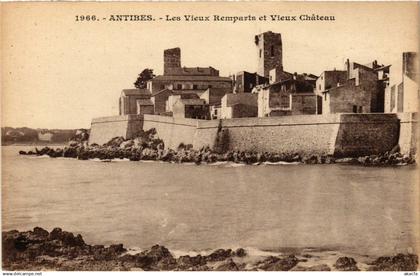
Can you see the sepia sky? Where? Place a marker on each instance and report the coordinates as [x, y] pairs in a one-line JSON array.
[[59, 73]]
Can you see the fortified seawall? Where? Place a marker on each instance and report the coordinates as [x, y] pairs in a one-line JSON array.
[[104, 129], [337, 134]]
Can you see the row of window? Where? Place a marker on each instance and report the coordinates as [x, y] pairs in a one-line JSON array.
[[188, 86]]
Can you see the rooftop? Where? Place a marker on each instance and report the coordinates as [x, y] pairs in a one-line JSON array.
[[135, 91], [190, 78], [192, 71]]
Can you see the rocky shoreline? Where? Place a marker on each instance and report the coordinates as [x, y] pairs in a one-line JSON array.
[[64, 251], [146, 146]]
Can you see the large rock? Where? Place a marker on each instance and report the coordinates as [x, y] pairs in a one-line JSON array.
[[400, 262], [156, 258], [115, 142], [191, 263], [346, 264], [219, 255], [67, 238], [278, 264], [227, 265], [240, 252], [127, 144]]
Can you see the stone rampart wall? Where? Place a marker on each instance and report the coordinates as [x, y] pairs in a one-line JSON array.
[[104, 129], [173, 131], [364, 134], [338, 134]]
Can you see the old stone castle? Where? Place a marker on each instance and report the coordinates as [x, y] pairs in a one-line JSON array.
[[190, 97]]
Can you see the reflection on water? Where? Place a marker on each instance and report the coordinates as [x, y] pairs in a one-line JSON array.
[[188, 207]]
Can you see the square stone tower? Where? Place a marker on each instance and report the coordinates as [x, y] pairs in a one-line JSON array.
[[171, 60], [270, 52]]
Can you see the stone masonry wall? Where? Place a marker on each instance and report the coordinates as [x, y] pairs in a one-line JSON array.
[[336, 134], [173, 131], [365, 134], [309, 134], [105, 128]]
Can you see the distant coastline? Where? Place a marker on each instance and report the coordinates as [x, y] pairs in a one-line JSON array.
[[22, 144], [25, 136]]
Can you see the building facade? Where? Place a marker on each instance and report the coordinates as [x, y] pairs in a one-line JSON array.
[[128, 100], [159, 100], [404, 96], [145, 106], [358, 89], [239, 105], [191, 108], [174, 97], [245, 81], [294, 96]]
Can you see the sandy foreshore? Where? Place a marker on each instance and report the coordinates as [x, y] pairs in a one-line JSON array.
[[60, 250]]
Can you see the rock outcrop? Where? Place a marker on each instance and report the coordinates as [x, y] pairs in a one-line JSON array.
[[61, 250]]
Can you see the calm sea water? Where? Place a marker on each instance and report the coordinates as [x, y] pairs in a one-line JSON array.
[[189, 207]]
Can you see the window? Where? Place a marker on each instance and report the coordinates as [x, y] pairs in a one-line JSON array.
[[284, 101], [260, 53], [354, 108], [325, 96], [319, 87], [210, 86], [179, 86], [360, 109], [272, 50], [194, 86]]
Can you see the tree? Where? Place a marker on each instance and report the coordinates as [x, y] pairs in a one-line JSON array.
[[144, 76]]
